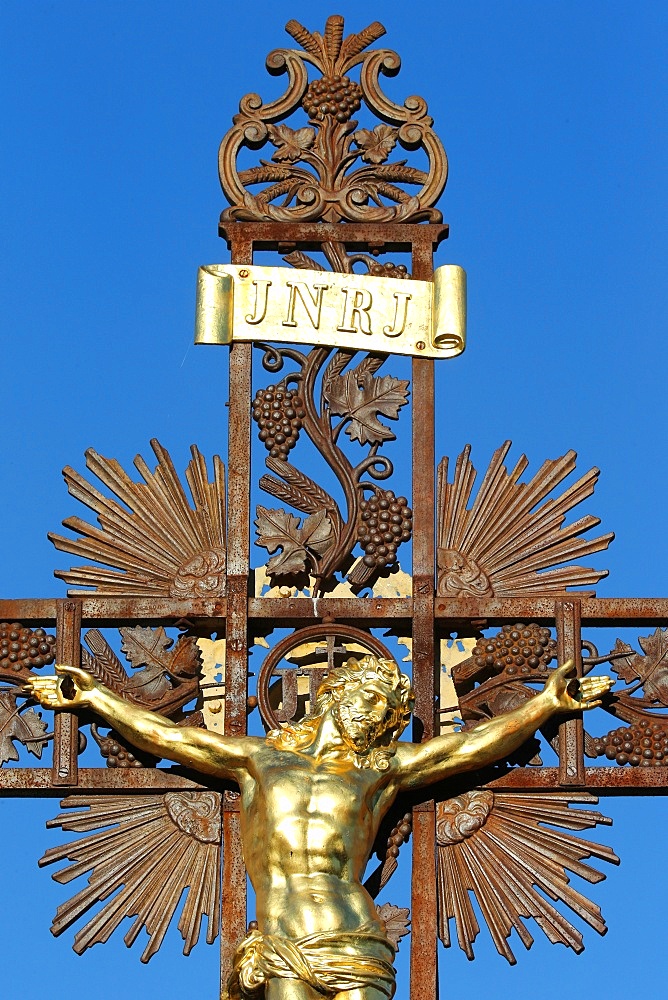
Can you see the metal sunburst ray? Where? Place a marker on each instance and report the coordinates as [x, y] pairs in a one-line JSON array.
[[143, 852], [149, 534], [506, 542], [498, 849]]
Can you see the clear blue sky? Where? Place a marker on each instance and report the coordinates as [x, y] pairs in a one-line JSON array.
[[553, 116]]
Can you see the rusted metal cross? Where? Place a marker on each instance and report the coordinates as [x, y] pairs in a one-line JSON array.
[[491, 568]]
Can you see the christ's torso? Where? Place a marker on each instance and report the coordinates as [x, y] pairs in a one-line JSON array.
[[308, 827]]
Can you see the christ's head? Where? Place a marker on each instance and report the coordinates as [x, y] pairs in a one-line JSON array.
[[370, 701]]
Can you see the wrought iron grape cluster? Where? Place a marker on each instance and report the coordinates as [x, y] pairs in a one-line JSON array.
[[388, 270], [517, 649], [117, 754], [384, 522], [641, 744], [22, 648], [399, 835], [336, 96], [279, 412]]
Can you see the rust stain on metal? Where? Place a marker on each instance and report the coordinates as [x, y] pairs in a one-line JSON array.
[[172, 566], [66, 724], [571, 731]]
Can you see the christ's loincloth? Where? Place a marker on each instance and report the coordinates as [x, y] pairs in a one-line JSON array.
[[330, 962]]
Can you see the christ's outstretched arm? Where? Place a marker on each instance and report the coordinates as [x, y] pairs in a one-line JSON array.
[[206, 752], [443, 756]]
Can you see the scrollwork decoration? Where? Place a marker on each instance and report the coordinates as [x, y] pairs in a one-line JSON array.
[[315, 169], [642, 739], [377, 519]]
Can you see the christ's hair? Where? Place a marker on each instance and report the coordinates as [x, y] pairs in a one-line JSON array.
[[354, 673]]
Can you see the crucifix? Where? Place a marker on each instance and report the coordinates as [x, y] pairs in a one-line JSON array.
[[492, 601]]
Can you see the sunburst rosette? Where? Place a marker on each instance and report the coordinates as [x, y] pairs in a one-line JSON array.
[[503, 850], [509, 540], [154, 541], [168, 844]]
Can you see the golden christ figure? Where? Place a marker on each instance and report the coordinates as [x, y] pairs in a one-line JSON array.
[[313, 795]]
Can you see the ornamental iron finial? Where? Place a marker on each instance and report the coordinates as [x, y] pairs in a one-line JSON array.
[[314, 173]]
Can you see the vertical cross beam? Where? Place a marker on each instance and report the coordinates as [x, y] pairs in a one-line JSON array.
[[424, 943], [66, 724], [571, 731], [233, 924]]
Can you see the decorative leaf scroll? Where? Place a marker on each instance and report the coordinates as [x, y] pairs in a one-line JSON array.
[[396, 920], [643, 741], [156, 544], [374, 518], [498, 848], [290, 144], [360, 398], [299, 544], [504, 544], [169, 843], [651, 670], [18, 724], [376, 145], [316, 173], [166, 678]]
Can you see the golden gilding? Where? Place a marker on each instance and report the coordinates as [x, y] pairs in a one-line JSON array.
[[357, 311], [313, 795]]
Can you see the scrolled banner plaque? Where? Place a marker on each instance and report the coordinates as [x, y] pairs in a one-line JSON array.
[[356, 311]]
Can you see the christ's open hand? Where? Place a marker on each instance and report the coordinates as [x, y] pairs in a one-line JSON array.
[[571, 694], [68, 689]]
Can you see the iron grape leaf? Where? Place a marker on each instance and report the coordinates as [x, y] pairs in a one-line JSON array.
[[290, 144], [28, 728], [628, 667], [316, 532], [275, 528], [279, 529], [396, 920], [186, 657], [148, 648], [377, 145], [655, 672], [361, 398], [651, 670], [31, 730], [291, 560]]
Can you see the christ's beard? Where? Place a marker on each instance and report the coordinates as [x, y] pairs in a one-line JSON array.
[[358, 734]]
